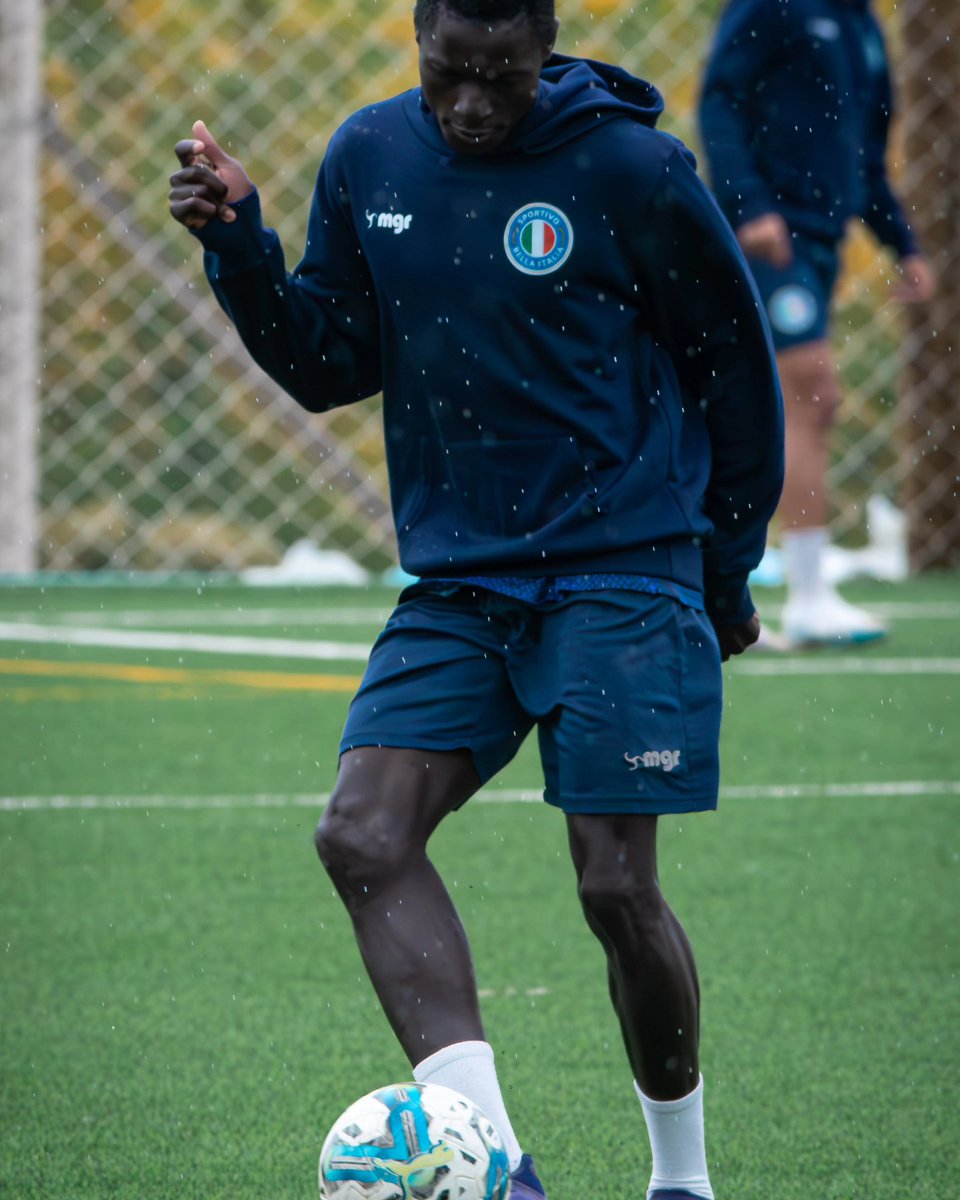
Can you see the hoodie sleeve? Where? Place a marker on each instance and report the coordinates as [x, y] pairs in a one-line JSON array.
[[882, 211], [315, 331], [749, 38], [705, 311]]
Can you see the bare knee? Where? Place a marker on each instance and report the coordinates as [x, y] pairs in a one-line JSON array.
[[385, 806], [623, 910], [616, 863], [811, 391], [388, 802], [348, 837], [359, 844]]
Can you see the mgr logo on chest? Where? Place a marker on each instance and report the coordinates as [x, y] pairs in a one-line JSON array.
[[398, 222], [538, 239]]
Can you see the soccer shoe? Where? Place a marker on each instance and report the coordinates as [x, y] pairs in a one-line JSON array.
[[770, 642], [829, 621], [524, 1182], [672, 1194]]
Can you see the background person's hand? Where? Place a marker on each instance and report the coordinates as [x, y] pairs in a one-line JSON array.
[[915, 282], [209, 180], [767, 237], [734, 639]]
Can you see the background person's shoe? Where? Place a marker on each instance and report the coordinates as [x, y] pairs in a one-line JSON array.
[[673, 1194], [770, 641], [829, 620], [525, 1183]]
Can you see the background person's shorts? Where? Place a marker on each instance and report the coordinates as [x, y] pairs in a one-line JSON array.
[[625, 689], [797, 298]]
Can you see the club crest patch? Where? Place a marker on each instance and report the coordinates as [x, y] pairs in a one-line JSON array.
[[824, 28], [792, 309], [538, 239]]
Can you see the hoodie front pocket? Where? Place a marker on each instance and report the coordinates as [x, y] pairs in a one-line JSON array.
[[515, 488]]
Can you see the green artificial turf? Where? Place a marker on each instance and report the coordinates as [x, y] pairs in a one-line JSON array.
[[184, 1012]]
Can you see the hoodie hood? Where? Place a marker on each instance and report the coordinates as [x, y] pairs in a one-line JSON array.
[[574, 94]]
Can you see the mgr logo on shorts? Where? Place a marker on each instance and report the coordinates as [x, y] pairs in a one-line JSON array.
[[538, 239], [792, 309], [825, 28]]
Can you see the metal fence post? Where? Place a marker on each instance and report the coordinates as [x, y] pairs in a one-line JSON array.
[[21, 24]]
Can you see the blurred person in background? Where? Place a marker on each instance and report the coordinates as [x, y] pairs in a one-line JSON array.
[[794, 117]]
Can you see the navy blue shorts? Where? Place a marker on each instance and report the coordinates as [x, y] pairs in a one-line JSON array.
[[797, 298], [624, 688]]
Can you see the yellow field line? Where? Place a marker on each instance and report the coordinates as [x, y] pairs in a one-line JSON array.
[[269, 680]]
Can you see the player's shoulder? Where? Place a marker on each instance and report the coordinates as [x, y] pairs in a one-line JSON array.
[[643, 147], [373, 127], [635, 173], [628, 151]]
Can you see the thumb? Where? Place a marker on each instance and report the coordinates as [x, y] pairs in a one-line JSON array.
[[211, 147]]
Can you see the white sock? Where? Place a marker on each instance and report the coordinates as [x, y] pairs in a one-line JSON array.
[[676, 1140], [469, 1068], [803, 553]]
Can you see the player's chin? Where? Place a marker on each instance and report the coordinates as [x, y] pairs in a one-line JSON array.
[[475, 142]]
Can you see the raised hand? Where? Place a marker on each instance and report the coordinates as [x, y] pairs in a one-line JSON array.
[[767, 237], [208, 182], [916, 282]]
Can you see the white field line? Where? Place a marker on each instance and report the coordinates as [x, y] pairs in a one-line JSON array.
[[205, 643], [249, 616], [757, 663], [295, 648], [933, 610], [192, 618], [786, 791], [899, 610]]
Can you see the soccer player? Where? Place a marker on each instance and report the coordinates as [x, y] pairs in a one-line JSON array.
[[794, 113], [583, 430]]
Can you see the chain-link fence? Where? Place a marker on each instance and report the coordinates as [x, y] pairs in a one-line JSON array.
[[162, 446]]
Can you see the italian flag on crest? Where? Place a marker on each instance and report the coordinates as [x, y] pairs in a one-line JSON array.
[[538, 238]]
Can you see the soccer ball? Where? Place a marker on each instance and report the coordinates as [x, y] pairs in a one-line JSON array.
[[413, 1141]]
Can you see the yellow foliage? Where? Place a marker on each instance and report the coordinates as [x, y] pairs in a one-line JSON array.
[[684, 94], [602, 8], [864, 265], [60, 78], [135, 14], [397, 28], [220, 55]]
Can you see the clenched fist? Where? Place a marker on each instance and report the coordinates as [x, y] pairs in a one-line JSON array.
[[208, 182]]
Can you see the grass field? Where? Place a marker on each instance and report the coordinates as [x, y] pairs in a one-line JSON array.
[[184, 1012]]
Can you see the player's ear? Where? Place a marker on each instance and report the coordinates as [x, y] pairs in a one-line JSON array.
[[547, 46]]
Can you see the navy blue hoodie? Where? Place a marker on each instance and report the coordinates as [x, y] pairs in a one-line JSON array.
[[618, 413], [794, 117]]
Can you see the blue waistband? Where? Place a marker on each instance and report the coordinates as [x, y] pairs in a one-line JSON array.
[[547, 590]]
